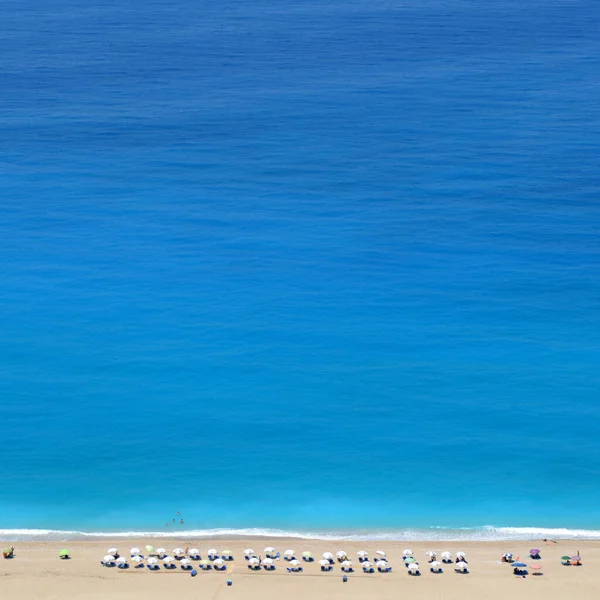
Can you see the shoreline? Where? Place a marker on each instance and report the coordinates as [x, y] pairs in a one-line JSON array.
[[430, 535]]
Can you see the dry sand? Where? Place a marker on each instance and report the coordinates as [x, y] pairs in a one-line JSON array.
[[37, 572]]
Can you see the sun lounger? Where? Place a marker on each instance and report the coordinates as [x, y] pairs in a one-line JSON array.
[[153, 567]]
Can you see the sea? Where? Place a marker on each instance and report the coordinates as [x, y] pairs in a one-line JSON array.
[[317, 268]]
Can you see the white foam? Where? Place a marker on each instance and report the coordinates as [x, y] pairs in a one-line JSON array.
[[486, 533]]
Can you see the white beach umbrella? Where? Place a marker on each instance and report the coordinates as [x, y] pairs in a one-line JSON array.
[[137, 559], [413, 567], [135, 551], [407, 552], [269, 549], [340, 554], [327, 555], [268, 561], [430, 553], [219, 561], [108, 558], [161, 551], [347, 563], [324, 563], [435, 564], [367, 565], [185, 561], [362, 553], [212, 551], [112, 551], [461, 565], [178, 551], [446, 555], [381, 553], [507, 555], [253, 561], [168, 559], [460, 555], [294, 562], [152, 560], [193, 551], [381, 563], [121, 560], [248, 551], [289, 552]]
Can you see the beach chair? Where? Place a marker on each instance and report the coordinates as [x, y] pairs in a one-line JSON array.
[[269, 567], [384, 569], [254, 567], [154, 567], [368, 570], [195, 557], [220, 568], [108, 563], [186, 567], [123, 565]]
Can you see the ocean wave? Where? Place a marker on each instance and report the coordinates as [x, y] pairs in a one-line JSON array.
[[486, 533]]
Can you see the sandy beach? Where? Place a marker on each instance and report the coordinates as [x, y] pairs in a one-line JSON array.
[[36, 572]]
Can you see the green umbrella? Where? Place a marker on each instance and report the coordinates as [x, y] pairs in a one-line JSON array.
[[64, 553], [409, 560], [150, 548], [307, 554], [565, 558]]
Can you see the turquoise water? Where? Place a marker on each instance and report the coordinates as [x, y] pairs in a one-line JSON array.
[[315, 267]]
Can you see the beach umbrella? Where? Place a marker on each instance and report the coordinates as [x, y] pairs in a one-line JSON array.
[[536, 567], [204, 562], [367, 565], [565, 558], [161, 551], [340, 554], [410, 560], [507, 555], [436, 564], [381, 563], [413, 567], [328, 555], [534, 551], [307, 554], [193, 551], [519, 565], [112, 551], [294, 562], [253, 561], [269, 549], [576, 557], [447, 555], [289, 552], [407, 552], [137, 559], [362, 553], [347, 563], [64, 553], [268, 561], [212, 551], [226, 553], [185, 561], [108, 558], [178, 551], [153, 560], [121, 560], [248, 551], [463, 565], [324, 563], [460, 555], [381, 553], [135, 551], [219, 561], [168, 559], [150, 548], [431, 554]]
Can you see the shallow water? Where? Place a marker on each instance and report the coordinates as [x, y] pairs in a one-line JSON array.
[[314, 266]]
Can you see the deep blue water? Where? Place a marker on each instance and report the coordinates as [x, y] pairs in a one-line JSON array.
[[306, 265]]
